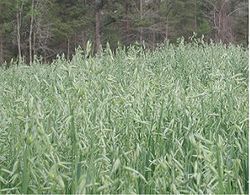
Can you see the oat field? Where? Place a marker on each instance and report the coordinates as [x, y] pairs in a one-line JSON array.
[[173, 120]]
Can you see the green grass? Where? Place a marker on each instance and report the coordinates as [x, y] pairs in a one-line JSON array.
[[174, 120]]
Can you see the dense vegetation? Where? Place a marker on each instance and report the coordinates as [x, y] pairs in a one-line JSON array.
[[169, 121]]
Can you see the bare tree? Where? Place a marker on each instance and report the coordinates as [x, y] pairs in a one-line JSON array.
[[126, 21], [42, 30], [221, 20], [195, 15], [68, 48], [1, 49], [31, 32], [98, 8], [18, 28], [1, 38], [141, 18]]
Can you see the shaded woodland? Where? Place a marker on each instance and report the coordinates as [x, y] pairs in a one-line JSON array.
[[46, 28]]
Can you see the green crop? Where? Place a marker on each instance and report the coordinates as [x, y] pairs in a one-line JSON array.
[[173, 120]]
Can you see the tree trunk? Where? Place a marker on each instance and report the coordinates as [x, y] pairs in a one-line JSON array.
[[1, 50], [97, 26], [30, 33], [1, 38], [126, 22], [84, 39], [141, 17], [223, 23], [34, 44], [153, 38], [18, 22], [84, 34], [68, 49], [195, 16], [166, 30]]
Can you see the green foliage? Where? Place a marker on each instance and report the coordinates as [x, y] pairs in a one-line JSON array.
[[204, 27], [170, 121], [60, 26]]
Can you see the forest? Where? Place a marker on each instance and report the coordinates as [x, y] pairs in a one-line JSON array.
[[31, 29]]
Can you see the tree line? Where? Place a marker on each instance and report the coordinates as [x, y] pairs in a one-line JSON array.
[[46, 28]]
